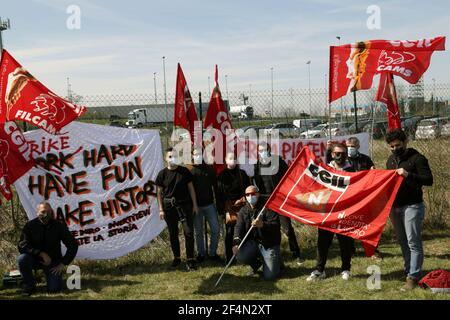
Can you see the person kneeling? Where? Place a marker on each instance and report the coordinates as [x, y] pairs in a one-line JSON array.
[[262, 246]]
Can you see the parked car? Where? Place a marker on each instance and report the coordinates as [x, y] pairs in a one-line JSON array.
[[340, 128], [429, 128], [445, 129], [318, 131], [285, 130], [409, 125], [306, 124], [361, 125], [379, 129]]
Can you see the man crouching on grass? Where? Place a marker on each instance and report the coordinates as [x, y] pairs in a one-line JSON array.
[[262, 246], [40, 248]]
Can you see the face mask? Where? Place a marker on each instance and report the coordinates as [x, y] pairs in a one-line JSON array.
[[264, 156], [252, 199], [172, 161], [45, 218], [231, 164], [352, 152], [339, 159], [398, 152], [198, 159]]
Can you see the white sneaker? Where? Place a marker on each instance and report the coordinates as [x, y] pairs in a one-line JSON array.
[[345, 275], [316, 275]]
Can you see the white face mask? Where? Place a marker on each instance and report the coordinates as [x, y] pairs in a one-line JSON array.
[[264, 156], [352, 152], [172, 161], [252, 199], [197, 158]]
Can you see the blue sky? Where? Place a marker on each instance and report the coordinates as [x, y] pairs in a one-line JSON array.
[[120, 43]]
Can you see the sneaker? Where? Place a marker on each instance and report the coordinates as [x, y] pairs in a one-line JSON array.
[[410, 284], [316, 275], [296, 257], [200, 259], [190, 265], [175, 263], [345, 275]]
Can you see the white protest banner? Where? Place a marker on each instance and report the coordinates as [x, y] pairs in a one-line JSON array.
[[100, 181], [288, 149]]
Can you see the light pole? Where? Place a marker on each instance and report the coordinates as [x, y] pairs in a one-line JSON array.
[[271, 77], [4, 25], [154, 83], [165, 90], [309, 85]]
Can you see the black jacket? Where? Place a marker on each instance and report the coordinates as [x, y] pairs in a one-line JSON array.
[[205, 184], [361, 162], [267, 183], [37, 237], [416, 164], [269, 235], [232, 184]]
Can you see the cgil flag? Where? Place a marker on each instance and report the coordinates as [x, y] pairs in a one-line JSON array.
[[387, 94], [217, 117], [355, 204], [23, 97], [184, 113], [353, 66]]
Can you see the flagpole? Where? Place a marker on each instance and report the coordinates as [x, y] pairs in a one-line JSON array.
[[239, 247], [204, 218]]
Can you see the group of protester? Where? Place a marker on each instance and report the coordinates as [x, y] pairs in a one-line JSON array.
[[188, 195]]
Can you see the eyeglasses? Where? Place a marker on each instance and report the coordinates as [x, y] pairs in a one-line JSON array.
[[250, 194]]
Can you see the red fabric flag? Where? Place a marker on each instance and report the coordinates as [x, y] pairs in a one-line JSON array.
[[23, 97], [355, 204], [15, 156], [184, 113], [386, 94], [217, 117], [353, 66]]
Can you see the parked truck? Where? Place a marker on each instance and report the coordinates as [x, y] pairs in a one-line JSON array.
[[139, 117]]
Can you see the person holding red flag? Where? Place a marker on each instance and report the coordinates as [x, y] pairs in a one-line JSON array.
[[184, 112]]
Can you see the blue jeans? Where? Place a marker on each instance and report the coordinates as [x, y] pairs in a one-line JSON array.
[[210, 214], [254, 254], [408, 222], [28, 263]]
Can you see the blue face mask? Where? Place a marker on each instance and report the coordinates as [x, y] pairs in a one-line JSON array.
[[252, 199], [352, 152]]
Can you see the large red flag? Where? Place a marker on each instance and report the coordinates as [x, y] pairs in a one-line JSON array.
[[354, 204], [217, 117], [15, 156], [353, 66], [23, 97], [386, 94], [184, 113]]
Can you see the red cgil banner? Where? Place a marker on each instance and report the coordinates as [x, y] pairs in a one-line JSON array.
[[353, 66], [355, 204]]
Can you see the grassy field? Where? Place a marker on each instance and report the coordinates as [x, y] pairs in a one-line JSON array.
[[145, 275]]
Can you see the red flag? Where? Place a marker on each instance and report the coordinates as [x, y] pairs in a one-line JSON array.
[[184, 113], [386, 94], [356, 204], [353, 66], [217, 117], [15, 156], [23, 97]]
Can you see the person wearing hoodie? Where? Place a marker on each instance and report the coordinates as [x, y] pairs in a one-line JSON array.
[[408, 209]]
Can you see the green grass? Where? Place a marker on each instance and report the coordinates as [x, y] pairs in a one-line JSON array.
[[145, 275]]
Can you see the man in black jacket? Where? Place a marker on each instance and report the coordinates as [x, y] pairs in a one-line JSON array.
[[40, 248], [262, 246], [268, 172], [408, 210]]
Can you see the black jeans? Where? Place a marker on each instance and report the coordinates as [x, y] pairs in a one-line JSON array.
[[324, 240], [288, 230], [172, 218]]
